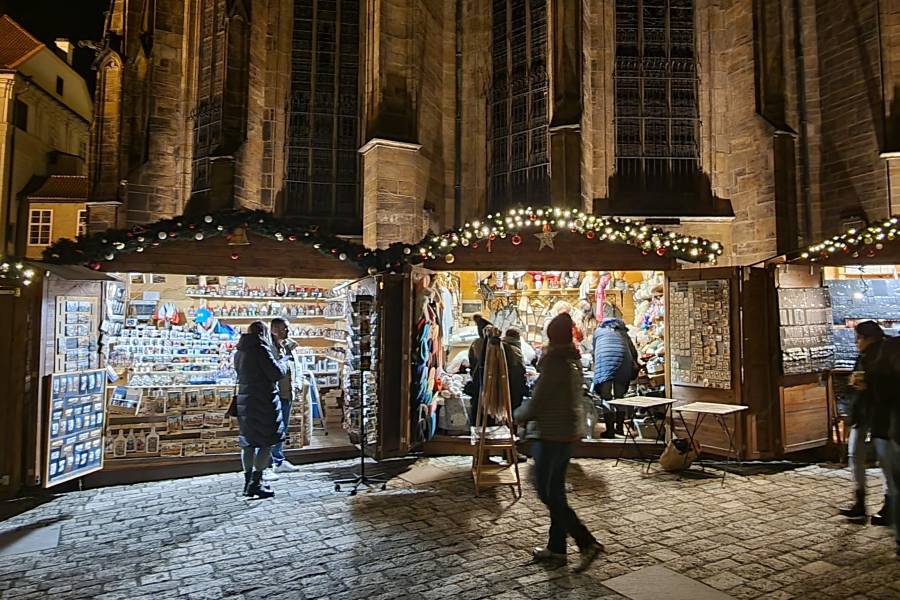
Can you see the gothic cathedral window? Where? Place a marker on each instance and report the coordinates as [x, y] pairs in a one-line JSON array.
[[518, 134], [322, 178], [220, 117], [656, 114]]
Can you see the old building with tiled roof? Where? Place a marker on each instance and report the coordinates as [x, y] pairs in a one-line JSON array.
[[45, 114]]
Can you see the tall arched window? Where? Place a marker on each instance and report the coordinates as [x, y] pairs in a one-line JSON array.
[[657, 119], [518, 134], [322, 178]]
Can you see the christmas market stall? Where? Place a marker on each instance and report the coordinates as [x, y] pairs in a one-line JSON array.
[[848, 278], [137, 369], [520, 268]]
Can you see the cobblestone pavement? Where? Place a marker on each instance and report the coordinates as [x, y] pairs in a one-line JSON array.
[[768, 536]]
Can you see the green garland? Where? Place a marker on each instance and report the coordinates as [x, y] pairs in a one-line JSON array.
[[104, 247], [867, 241], [15, 273], [517, 221], [97, 249]]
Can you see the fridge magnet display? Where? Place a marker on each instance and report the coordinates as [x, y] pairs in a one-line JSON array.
[[75, 429], [170, 448], [699, 332]]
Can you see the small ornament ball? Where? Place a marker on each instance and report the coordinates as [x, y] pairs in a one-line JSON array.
[[450, 259]]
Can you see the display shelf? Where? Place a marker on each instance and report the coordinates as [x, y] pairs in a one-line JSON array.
[[181, 385], [318, 338], [263, 298], [290, 318]]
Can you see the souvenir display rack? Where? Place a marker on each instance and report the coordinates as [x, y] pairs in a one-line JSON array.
[[805, 330], [75, 425], [360, 373], [77, 323], [700, 333]]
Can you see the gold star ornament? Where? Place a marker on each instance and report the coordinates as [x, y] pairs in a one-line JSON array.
[[546, 239]]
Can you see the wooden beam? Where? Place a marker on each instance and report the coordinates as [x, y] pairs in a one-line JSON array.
[[264, 257]]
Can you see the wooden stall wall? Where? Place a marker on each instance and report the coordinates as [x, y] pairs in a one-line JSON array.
[[395, 304], [710, 434], [20, 380], [803, 409]]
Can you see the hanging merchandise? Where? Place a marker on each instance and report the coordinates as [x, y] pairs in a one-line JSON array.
[[600, 306]]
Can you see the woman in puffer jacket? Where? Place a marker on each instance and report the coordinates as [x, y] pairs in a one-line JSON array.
[[555, 408], [615, 367], [258, 404]]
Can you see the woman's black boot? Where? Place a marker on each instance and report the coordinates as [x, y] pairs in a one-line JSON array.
[[256, 487], [247, 479]]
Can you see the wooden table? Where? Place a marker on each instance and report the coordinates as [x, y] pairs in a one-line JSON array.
[[717, 411], [647, 403]]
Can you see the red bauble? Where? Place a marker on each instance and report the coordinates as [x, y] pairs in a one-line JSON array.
[[95, 266], [492, 237], [292, 238], [590, 234], [644, 252], [475, 245], [661, 251], [516, 239], [235, 256], [334, 250]]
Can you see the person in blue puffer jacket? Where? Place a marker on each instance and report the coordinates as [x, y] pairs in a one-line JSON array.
[[615, 367]]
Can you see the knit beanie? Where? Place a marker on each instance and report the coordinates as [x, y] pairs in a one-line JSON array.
[[560, 329]]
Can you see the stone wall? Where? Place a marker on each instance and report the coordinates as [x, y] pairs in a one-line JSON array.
[[850, 114]]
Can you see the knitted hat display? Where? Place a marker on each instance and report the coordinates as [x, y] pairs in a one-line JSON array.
[[560, 329]]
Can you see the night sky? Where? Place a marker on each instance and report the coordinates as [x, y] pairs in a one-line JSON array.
[[51, 19]]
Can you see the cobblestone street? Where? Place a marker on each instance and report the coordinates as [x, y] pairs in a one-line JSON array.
[[763, 536]]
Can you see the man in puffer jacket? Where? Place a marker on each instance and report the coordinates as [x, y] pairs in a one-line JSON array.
[[615, 367]]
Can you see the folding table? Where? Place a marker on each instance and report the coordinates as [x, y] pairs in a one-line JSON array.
[[646, 403], [719, 412]]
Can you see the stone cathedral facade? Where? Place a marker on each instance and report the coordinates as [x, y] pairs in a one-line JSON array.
[[764, 124]]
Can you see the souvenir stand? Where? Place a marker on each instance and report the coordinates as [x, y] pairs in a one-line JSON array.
[[519, 269], [858, 273], [161, 328]]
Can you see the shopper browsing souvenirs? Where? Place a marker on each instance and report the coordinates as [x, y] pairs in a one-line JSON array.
[[258, 404], [555, 423], [287, 391], [615, 367]]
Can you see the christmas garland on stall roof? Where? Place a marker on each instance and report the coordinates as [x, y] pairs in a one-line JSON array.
[[867, 241], [15, 273], [96, 249], [546, 222]]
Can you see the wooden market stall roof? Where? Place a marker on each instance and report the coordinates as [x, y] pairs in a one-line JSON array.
[[263, 257], [570, 252], [248, 243]]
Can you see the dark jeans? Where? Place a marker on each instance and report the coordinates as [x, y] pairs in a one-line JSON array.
[[611, 390], [278, 449], [551, 460]]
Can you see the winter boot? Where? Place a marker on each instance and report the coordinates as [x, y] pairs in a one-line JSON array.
[[247, 479], [258, 488], [883, 516], [610, 433], [858, 509]]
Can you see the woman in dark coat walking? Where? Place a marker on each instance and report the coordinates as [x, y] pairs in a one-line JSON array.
[[258, 404]]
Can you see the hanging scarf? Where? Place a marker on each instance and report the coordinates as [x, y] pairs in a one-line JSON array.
[[601, 296], [495, 398]]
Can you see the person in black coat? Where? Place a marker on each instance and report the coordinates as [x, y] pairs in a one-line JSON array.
[[258, 404], [515, 367]]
